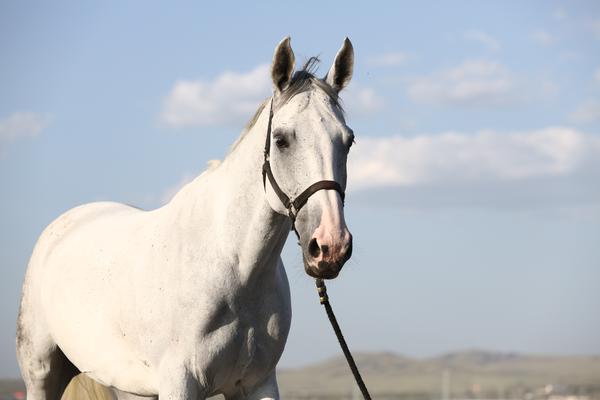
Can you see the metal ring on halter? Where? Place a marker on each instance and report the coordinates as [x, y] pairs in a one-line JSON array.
[[292, 211]]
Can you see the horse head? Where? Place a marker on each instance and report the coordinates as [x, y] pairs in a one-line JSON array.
[[305, 156]]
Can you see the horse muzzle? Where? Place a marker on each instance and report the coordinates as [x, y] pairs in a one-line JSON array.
[[326, 254]]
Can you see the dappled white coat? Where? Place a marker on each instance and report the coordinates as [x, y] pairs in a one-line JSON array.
[[184, 301]]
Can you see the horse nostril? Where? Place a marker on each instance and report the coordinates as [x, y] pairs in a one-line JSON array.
[[325, 249], [313, 248]]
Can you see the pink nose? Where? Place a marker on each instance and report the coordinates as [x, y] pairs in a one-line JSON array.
[[329, 250]]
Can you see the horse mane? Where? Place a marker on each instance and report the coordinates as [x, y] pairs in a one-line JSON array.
[[302, 81]]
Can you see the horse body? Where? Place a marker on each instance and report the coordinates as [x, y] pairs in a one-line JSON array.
[[177, 291], [183, 302]]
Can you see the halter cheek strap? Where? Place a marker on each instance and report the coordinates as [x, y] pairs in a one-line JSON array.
[[292, 205]]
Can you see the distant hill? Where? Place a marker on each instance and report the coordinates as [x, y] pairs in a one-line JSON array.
[[471, 374]]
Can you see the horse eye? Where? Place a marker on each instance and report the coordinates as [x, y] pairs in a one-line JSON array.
[[281, 142]]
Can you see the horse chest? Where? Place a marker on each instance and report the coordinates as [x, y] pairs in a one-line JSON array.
[[250, 344], [257, 354]]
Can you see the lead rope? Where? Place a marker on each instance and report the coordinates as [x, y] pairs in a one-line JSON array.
[[324, 299], [293, 206]]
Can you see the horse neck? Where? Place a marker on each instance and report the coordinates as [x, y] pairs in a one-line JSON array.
[[243, 222]]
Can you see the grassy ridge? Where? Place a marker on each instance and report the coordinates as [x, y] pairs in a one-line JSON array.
[[472, 374]]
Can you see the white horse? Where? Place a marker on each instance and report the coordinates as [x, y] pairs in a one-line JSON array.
[[191, 299]]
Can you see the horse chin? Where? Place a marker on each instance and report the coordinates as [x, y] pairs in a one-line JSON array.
[[315, 271]]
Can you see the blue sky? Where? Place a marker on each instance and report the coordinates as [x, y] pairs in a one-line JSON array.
[[474, 193]]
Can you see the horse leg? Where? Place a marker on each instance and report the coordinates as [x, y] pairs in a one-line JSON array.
[[45, 369], [177, 383], [267, 390]]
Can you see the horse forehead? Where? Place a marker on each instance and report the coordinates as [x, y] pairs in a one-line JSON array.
[[316, 111]]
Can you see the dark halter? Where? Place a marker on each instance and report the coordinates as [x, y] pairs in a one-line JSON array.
[[293, 205]]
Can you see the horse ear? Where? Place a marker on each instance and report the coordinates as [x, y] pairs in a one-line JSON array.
[[283, 65], [340, 73]]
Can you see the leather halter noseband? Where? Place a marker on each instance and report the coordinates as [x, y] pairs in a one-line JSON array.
[[292, 205]]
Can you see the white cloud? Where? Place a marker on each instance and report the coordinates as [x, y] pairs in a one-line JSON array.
[[560, 14], [549, 88], [391, 59], [594, 26], [360, 101], [587, 112], [474, 82], [458, 158], [22, 124], [483, 38], [542, 37], [569, 56], [230, 98]]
